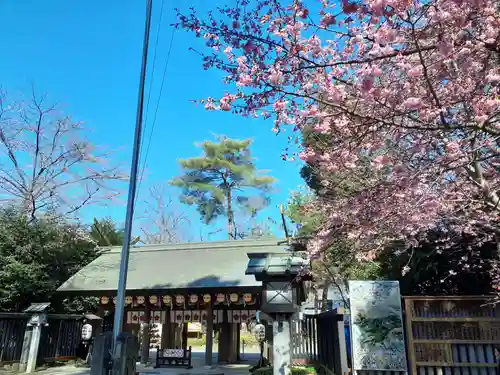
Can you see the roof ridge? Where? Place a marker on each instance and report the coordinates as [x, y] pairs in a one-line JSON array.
[[209, 245]]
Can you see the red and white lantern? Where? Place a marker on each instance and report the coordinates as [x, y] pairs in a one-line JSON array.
[[167, 300], [219, 298], [179, 300], [140, 300], [193, 299]]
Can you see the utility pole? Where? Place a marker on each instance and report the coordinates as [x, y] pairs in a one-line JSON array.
[[122, 281]]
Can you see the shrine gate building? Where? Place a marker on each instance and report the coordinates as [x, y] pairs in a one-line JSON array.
[[177, 284]]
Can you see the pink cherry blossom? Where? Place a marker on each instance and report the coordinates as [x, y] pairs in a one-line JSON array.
[[407, 89]]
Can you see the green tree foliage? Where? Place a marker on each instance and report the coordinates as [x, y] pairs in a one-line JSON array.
[[105, 232], [36, 257], [223, 180]]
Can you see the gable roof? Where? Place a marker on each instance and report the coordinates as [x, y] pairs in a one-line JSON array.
[[195, 265]]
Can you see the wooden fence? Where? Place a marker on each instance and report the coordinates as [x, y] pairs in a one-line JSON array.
[[320, 340], [60, 339], [451, 335], [11, 337]]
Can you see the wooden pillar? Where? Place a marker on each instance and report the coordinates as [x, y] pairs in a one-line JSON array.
[[210, 335], [145, 333], [224, 338], [184, 336], [238, 341], [232, 343], [166, 333], [178, 335]]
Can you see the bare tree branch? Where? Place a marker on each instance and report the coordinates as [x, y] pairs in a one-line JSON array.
[[46, 163], [163, 222]]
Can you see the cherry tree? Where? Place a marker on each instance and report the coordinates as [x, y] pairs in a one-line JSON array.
[[163, 222], [46, 162], [409, 89]]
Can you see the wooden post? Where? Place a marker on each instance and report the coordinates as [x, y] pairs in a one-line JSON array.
[[210, 335], [233, 355], [185, 336], [166, 332], [145, 333], [339, 345], [224, 338], [238, 341], [408, 303]]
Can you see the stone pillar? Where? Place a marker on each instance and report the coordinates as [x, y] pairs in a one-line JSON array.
[[209, 336], [33, 350], [28, 332], [145, 333], [282, 354]]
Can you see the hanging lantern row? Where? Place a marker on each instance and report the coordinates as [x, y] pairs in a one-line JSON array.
[[181, 300]]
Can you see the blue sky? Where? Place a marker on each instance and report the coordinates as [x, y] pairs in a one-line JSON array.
[[86, 54]]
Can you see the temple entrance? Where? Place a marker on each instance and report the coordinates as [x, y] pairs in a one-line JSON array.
[[173, 285], [170, 316]]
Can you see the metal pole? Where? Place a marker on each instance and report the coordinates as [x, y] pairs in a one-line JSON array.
[[122, 281]]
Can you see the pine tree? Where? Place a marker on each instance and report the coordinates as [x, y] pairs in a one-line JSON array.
[[222, 180], [106, 233]]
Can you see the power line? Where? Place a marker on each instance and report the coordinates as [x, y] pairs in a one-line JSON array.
[[156, 109]]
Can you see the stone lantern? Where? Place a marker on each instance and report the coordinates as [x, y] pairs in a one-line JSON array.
[[281, 298]]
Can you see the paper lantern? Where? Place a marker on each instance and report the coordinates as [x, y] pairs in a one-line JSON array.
[[220, 298], [153, 300], [114, 300], [128, 300], [207, 298], [167, 300], [140, 300], [179, 299], [104, 300], [247, 297], [193, 298], [233, 297]]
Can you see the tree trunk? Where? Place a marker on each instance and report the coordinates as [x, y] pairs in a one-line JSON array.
[[324, 298], [230, 221]]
